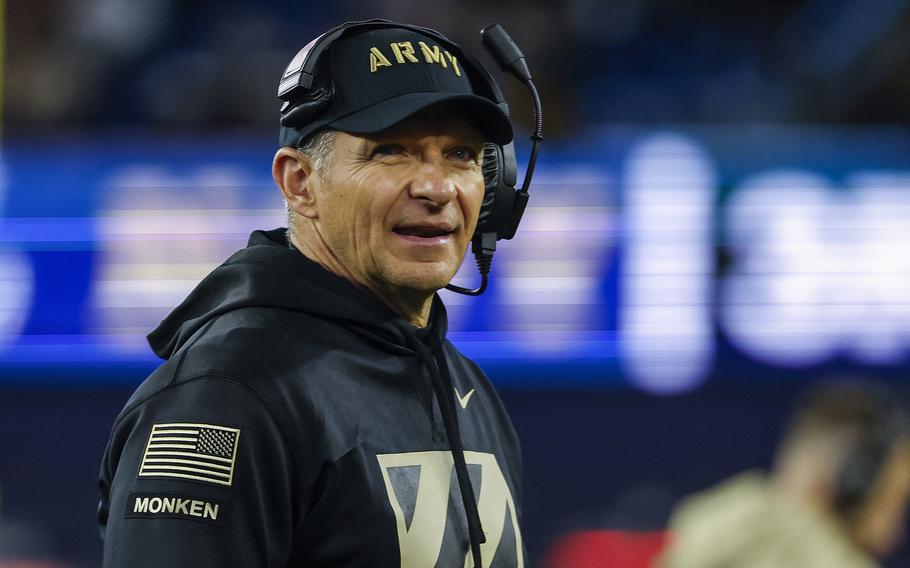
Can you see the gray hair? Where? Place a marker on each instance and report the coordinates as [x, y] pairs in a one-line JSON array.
[[319, 147]]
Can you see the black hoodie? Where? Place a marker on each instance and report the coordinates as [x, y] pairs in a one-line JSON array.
[[297, 421]]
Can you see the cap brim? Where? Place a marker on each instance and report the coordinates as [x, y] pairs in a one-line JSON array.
[[489, 118]]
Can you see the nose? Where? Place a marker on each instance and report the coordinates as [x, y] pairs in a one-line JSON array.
[[433, 183]]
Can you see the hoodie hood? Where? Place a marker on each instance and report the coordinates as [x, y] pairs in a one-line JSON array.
[[268, 273]]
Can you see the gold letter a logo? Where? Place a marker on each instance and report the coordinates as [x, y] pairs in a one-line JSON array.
[[419, 487]]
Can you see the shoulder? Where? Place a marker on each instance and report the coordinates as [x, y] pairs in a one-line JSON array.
[[258, 354], [254, 345], [224, 368], [238, 344], [238, 351]]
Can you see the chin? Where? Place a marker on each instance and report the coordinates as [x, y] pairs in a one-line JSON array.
[[425, 277]]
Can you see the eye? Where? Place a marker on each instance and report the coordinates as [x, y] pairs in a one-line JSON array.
[[464, 154], [387, 150]]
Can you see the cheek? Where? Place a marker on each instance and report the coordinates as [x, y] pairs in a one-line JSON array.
[[471, 199], [338, 214], [338, 220], [369, 215]]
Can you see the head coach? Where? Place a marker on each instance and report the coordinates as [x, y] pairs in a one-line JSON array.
[[310, 411]]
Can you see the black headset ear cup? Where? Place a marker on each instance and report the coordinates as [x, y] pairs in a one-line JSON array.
[[499, 173], [309, 107], [888, 425], [492, 180], [858, 474]]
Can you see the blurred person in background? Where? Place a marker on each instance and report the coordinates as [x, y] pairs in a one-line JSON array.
[[836, 496], [311, 411]]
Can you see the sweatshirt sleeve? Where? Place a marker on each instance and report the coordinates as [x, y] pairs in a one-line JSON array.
[[198, 474]]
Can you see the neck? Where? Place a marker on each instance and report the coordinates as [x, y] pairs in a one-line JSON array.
[[413, 306], [415, 309]]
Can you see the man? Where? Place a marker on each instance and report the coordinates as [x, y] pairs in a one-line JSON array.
[[837, 495], [310, 411]]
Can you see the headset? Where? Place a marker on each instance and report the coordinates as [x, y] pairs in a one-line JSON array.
[[307, 94], [888, 425]]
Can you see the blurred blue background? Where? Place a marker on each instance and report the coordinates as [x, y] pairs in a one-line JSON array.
[[720, 218]]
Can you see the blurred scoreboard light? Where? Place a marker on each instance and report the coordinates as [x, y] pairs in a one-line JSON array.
[[16, 278], [666, 329], [881, 278], [821, 271], [16, 286], [612, 277], [160, 234], [551, 277]]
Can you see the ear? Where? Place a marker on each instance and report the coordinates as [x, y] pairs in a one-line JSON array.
[[293, 173]]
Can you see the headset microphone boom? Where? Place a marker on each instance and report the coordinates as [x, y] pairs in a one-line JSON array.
[[503, 205]]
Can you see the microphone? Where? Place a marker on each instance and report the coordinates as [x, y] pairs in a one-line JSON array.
[[505, 51]]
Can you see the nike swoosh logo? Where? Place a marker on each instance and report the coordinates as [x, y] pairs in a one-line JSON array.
[[463, 400]]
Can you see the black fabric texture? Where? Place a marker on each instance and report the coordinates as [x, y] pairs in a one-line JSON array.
[[343, 410]]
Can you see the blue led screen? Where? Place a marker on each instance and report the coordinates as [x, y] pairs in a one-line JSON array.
[[657, 259]]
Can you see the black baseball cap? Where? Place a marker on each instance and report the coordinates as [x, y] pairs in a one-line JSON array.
[[379, 77]]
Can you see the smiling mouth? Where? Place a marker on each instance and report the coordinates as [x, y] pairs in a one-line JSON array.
[[422, 232]]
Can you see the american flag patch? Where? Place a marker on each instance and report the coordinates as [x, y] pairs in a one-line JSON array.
[[202, 452]]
